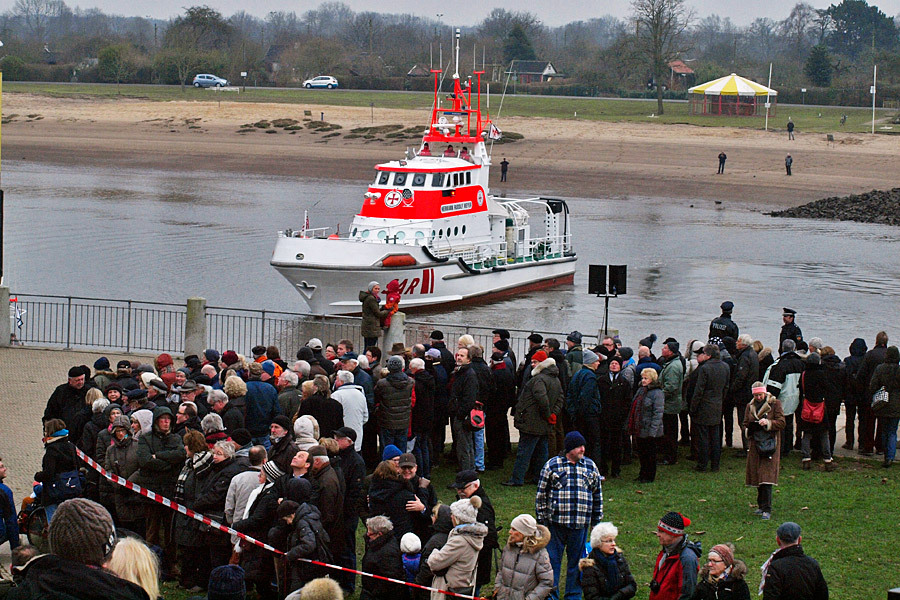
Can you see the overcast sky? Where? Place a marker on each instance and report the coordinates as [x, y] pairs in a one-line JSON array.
[[560, 12]]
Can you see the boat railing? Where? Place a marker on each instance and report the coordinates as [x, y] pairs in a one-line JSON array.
[[495, 254]]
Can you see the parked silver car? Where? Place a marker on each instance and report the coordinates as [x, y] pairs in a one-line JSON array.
[[206, 80], [322, 81]]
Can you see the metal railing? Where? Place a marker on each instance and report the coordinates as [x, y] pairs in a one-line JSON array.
[[136, 326]]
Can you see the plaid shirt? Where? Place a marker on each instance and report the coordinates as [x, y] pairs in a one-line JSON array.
[[569, 494]]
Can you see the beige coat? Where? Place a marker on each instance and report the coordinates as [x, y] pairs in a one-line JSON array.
[[457, 559], [764, 470]]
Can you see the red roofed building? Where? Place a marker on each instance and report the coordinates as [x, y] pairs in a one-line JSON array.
[[681, 76]]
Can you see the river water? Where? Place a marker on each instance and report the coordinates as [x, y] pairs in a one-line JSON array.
[[162, 236]]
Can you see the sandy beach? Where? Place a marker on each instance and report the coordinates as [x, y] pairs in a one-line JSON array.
[[557, 157]]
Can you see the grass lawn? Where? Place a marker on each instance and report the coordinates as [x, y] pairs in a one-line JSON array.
[[848, 517], [807, 119]]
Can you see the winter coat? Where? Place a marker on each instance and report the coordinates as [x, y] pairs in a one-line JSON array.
[[257, 562], [763, 470], [59, 457], [354, 471], [330, 487], [9, 524], [595, 577], [649, 402], [393, 401], [616, 397], [487, 517], [574, 360], [835, 383], [792, 575], [365, 381], [888, 375], [88, 441], [485, 380], [67, 403], [388, 497], [122, 459], [504, 396], [457, 559], [442, 526], [261, 407], [355, 408], [541, 397], [282, 452], [677, 577], [306, 538], [870, 362], [233, 415], [813, 382], [289, 401], [671, 380], [423, 411], [583, 397], [211, 499], [382, 557], [463, 392], [525, 572], [712, 384], [327, 411], [372, 314], [854, 390], [745, 375], [730, 587], [783, 381], [187, 531], [49, 576], [160, 457]]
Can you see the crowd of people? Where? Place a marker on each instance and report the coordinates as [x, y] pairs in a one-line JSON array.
[[300, 455]]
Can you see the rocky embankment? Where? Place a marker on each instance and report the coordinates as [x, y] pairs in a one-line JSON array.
[[877, 206]]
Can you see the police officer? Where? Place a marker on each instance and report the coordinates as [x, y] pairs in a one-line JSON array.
[[722, 326], [790, 331]]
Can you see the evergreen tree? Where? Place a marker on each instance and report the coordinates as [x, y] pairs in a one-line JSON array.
[[518, 46], [818, 66]]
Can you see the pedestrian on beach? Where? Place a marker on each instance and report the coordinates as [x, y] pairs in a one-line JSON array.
[[868, 442], [790, 330], [763, 419], [722, 158], [790, 573], [504, 167], [790, 130], [788, 161], [722, 577]]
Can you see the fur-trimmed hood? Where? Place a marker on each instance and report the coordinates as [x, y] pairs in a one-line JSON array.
[[474, 533], [533, 544], [549, 365], [738, 571]]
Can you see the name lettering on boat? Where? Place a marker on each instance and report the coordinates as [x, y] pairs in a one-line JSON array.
[[393, 198], [427, 283], [447, 208]]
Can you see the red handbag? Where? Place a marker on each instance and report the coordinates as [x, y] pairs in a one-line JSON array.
[[476, 417], [812, 412]]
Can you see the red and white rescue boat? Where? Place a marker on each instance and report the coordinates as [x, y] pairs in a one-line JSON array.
[[430, 222]]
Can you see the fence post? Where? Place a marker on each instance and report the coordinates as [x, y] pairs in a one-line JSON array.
[[5, 324], [68, 322], [195, 326], [395, 333], [128, 331]]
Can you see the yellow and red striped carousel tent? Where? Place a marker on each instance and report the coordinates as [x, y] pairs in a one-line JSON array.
[[731, 95]]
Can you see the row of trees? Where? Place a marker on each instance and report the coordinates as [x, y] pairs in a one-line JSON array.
[[836, 46]]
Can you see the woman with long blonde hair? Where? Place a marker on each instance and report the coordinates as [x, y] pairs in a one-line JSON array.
[[133, 561]]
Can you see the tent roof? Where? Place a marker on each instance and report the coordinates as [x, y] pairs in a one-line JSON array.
[[732, 85]]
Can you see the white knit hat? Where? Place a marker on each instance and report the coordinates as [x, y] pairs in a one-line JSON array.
[[466, 510], [410, 543]]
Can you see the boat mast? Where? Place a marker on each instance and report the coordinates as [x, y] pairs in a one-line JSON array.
[[456, 68]]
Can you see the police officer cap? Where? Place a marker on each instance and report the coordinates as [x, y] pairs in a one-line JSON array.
[[789, 312], [727, 306]]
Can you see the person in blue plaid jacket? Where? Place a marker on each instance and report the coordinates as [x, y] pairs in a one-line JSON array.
[[569, 501]]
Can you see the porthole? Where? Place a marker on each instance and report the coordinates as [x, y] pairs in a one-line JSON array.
[[420, 235], [365, 233], [455, 231], [401, 235], [440, 233], [382, 234], [464, 230], [355, 230]]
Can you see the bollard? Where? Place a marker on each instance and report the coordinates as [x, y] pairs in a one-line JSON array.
[[395, 333], [6, 322], [195, 326]]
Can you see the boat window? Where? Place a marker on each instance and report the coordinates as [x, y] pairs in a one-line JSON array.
[[365, 233], [383, 177], [464, 230], [456, 231], [440, 233], [418, 179], [468, 176], [382, 234], [399, 178], [433, 233], [437, 180], [455, 179], [355, 231], [420, 235], [401, 235]]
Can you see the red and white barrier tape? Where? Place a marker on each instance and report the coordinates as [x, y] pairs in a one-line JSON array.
[[151, 495]]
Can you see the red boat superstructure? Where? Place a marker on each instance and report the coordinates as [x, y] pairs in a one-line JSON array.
[[430, 221]]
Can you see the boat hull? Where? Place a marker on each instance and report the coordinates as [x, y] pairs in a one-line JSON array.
[[331, 287]]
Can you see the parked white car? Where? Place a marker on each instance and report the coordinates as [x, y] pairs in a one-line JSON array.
[[322, 81], [205, 80]]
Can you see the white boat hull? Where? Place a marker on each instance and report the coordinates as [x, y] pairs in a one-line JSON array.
[[331, 273]]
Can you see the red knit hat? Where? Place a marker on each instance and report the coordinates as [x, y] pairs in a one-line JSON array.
[[539, 356], [674, 523]]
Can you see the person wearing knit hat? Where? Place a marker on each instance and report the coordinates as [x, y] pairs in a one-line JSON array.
[[524, 570], [722, 577], [671, 379], [458, 558], [675, 568], [393, 397], [583, 402], [392, 453], [569, 501], [574, 358], [82, 537], [227, 583]]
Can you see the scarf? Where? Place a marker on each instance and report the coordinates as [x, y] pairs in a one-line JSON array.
[[612, 571], [764, 570], [198, 464], [637, 411]]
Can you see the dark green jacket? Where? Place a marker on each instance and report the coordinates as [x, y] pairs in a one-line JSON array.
[[541, 397], [160, 457], [372, 314], [887, 375]]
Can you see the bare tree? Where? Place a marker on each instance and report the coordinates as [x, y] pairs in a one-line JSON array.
[[37, 13], [660, 27], [797, 27]]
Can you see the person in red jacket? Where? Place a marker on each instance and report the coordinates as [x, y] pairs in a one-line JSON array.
[[675, 569]]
